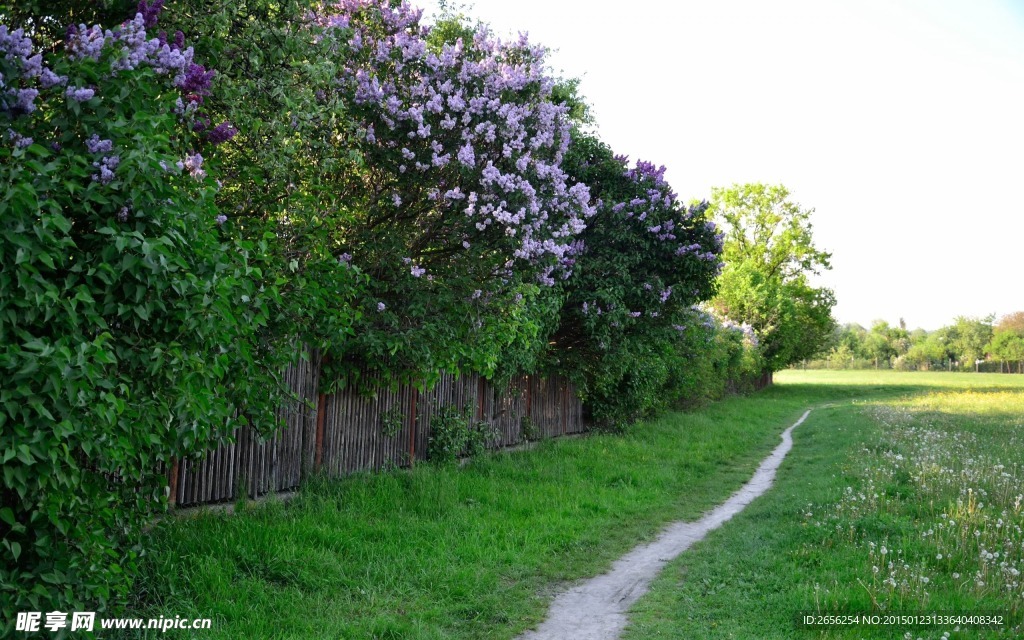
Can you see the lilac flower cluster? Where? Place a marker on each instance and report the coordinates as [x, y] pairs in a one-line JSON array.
[[95, 145], [20, 141], [749, 336], [132, 48], [80, 95], [16, 47], [106, 167], [475, 119], [194, 165]]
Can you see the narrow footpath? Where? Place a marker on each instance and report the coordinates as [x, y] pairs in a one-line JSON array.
[[596, 609]]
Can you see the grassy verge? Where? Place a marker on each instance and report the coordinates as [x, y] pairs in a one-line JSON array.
[[886, 504], [474, 552]]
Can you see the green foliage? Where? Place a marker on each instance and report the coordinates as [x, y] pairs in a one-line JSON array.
[[453, 435], [769, 254], [131, 330], [391, 423], [529, 430], [282, 173]]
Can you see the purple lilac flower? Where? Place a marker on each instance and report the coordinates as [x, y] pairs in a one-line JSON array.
[[150, 12], [79, 95], [196, 80], [194, 165], [83, 42], [48, 79], [20, 141], [221, 219], [122, 215], [345, 258], [25, 100], [465, 92], [32, 67], [106, 167], [95, 145], [417, 271], [15, 44], [221, 133], [381, 306]]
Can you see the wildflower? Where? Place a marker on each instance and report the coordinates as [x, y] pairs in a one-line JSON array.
[[381, 306], [221, 219]]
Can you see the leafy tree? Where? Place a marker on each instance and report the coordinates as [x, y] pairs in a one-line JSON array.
[[968, 338], [768, 254], [1012, 323], [1007, 343]]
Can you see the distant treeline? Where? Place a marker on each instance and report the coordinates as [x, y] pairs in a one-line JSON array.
[[969, 344]]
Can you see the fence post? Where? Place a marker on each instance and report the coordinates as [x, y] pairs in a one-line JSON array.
[[529, 397], [480, 398], [565, 406], [414, 398], [321, 409], [172, 499]]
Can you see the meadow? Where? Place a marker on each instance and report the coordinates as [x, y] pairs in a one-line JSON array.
[[882, 464], [900, 505]]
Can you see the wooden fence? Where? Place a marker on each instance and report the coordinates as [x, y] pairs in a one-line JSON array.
[[347, 431]]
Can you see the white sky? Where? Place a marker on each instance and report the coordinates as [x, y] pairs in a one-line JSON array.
[[901, 122]]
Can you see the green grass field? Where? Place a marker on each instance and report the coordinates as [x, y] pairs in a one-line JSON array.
[[478, 551], [909, 504]]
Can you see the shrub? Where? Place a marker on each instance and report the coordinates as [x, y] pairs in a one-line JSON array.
[[130, 329], [639, 266], [453, 434]]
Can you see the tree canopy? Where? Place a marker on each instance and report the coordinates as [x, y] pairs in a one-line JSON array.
[[769, 253]]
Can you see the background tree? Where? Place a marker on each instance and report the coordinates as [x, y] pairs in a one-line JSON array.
[[968, 337], [1007, 344], [769, 254], [1012, 323]]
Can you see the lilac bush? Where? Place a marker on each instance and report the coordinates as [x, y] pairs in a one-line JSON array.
[[460, 146], [128, 313], [643, 261]]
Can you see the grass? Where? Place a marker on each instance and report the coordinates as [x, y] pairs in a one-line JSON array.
[[908, 502], [478, 551], [472, 552]]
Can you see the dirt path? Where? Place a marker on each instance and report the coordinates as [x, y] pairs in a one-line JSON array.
[[596, 609]]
